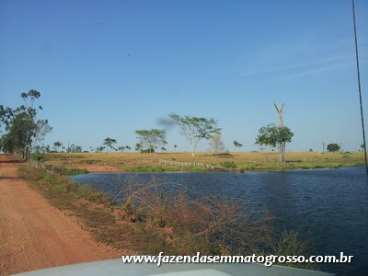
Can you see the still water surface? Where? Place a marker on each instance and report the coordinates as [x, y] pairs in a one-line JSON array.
[[328, 207]]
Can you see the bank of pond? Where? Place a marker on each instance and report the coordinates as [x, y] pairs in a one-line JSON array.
[[327, 207]]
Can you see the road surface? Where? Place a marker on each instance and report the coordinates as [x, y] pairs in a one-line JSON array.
[[34, 234]]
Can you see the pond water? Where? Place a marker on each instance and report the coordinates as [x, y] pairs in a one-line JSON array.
[[328, 207]]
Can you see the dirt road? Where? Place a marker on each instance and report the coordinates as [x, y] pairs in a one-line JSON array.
[[34, 234]]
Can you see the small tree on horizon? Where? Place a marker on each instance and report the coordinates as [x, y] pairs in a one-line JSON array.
[[333, 147], [110, 143], [74, 148], [57, 145], [237, 144], [100, 148]]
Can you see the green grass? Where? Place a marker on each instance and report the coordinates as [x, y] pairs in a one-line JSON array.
[[63, 170], [158, 169]]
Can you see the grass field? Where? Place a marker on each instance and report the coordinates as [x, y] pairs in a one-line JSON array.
[[183, 161]]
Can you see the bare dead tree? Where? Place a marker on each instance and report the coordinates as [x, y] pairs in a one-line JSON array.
[[280, 113]]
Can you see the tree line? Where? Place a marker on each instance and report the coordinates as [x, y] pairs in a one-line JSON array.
[[22, 132]]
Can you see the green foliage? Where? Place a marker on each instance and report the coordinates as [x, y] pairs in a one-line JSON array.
[[57, 145], [237, 144], [21, 126], [290, 244], [110, 143], [37, 156], [150, 139], [272, 135], [195, 128], [229, 164], [333, 147], [63, 170], [74, 148], [59, 188]]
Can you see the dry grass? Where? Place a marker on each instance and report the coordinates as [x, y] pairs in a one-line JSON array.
[[117, 161]]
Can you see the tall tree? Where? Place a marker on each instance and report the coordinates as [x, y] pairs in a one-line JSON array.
[[150, 139], [195, 129], [110, 143], [21, 127], [216, 143], [282, 145]]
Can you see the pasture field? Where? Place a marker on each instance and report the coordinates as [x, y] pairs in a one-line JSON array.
[[183, 161]]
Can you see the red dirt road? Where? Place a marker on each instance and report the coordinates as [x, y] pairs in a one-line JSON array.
[[34, 234]]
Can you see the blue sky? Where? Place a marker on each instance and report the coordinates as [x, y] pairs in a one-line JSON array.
[[107, 68]]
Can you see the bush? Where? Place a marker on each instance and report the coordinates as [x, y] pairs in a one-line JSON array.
[[177, 225], [62, 170], [229, 165], [37, 156], [290, 244]]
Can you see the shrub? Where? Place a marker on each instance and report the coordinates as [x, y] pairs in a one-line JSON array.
[[37, 156], [229, 165]]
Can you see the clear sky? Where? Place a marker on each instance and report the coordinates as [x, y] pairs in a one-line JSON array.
[[107, 68]]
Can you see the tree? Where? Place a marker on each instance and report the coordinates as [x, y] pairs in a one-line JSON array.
[[237, 144], [150, 139], [100, 148], [333, 147], [138, 147], [21, 126], [110, 143], [274, 136], [216, 143], [195, 129], [74, 148], [57, 145]]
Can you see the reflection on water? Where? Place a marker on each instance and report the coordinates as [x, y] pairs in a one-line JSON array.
[[327, 207]]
